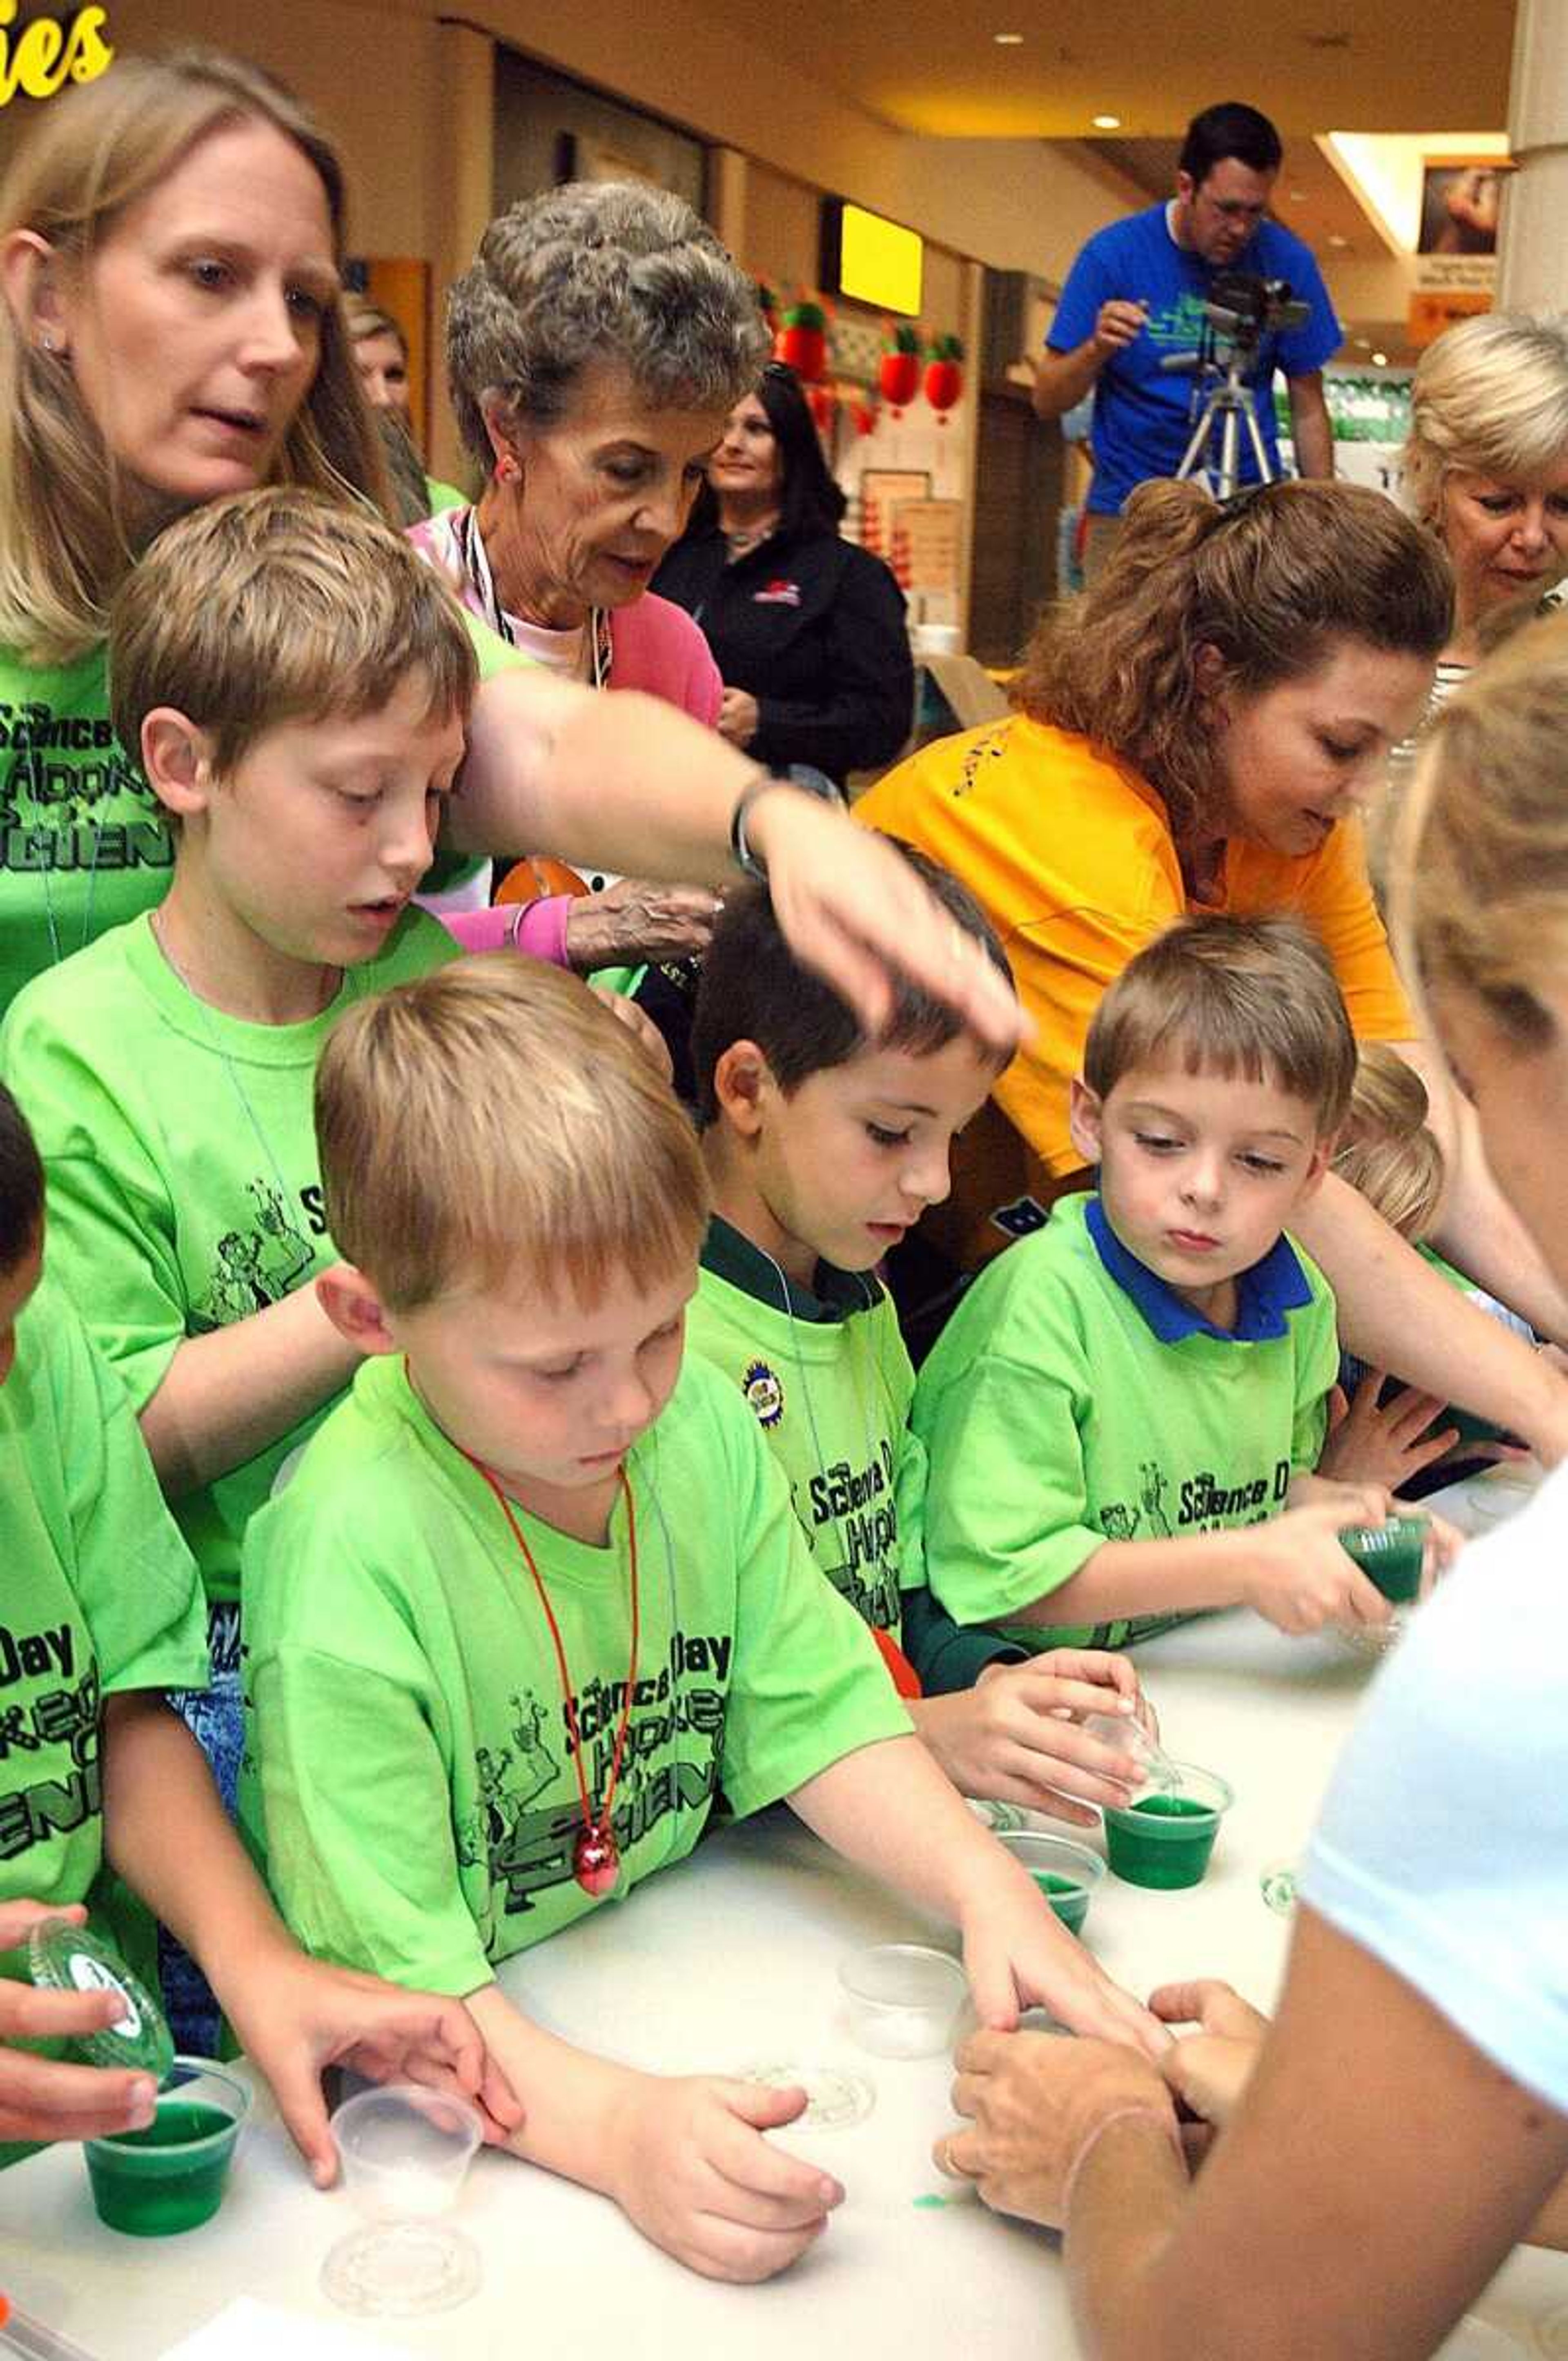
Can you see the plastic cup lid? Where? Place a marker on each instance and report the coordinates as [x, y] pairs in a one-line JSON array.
[[66, 1958]]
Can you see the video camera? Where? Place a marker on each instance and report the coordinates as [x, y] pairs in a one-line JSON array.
[[1243, 309]]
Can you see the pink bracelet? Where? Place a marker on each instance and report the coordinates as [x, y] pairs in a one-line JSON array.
[[537, 929]]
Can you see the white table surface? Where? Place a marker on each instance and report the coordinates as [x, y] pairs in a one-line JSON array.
[[731, 1960]]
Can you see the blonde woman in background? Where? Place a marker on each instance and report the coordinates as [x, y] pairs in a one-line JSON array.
[[381, 358]]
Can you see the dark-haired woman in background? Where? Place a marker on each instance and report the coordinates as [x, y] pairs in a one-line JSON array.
[[808, 630]]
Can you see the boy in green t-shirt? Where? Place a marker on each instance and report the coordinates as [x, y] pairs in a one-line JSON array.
[[100, 1613], [296, 682], [1123, 1414], [821, 1148], [536, 1592]]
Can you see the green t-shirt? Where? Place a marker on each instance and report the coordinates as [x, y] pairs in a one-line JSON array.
[[86, 843], [408, 1780], [1073, 1398], [184, 1191], [826, 1376], [98, 1596]]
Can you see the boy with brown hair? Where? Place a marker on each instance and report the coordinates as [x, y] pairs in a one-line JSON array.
[[536, 1592]]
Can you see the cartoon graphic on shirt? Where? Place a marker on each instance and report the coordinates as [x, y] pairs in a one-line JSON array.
[[255, 1267], [1153, 1497]]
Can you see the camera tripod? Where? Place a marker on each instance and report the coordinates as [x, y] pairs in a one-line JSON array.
[[1230, 406]]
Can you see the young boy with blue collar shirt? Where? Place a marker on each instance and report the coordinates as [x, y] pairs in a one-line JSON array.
[[821, 1148], [1123, 1416], [535, 1593], [100, 1615]]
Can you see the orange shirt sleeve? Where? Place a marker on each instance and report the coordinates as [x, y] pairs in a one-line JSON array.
[[1332, 893]]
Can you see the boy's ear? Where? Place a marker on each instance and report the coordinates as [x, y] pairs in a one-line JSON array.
[[177, 761], [1085, 1115], [741, 1079], [354, 1309]]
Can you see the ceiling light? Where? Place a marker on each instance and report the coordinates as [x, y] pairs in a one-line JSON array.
[[1107, 123], [1298, 196], [1008, 40], [1379, 360], [1335, 239]]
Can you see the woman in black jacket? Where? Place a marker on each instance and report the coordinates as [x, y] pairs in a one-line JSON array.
[[807, 630]]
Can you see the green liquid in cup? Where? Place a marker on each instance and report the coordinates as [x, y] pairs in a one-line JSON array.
[[1390, 1556], [148, 2184], [1067, 1897], [1161, 1856]]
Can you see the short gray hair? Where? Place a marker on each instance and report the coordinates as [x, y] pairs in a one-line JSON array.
[[1491, 396], [599, 270]]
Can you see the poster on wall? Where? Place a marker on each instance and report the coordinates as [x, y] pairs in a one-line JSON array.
[[1460, 203], [925, 544]]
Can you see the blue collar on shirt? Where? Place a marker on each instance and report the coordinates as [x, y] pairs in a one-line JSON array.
[[1263, 1294]]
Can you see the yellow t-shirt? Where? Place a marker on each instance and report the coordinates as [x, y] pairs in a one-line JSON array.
[[1071, 855]]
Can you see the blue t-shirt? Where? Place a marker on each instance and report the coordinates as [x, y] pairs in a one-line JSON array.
[[1142, 420], [1443, 1843]]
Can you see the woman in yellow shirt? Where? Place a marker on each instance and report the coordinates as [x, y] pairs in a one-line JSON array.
[[1198, 732]]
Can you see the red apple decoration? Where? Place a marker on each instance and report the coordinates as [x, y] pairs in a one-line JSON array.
[[944, 376], [802, 341], [898, 369]]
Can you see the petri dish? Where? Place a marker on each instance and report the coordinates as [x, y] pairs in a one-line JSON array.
[[401, 2271], [836, 2099], [405, 2152], [62, 1956]]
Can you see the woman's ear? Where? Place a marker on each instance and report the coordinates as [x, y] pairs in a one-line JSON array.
[[500, 426], [1210, 673], [29, 280]]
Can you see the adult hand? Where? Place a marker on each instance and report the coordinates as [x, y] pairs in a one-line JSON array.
[[40, 2099], [1117, 324], [635, 920], [1016, 1735], [1035, 2106], [689, 2166], [1387, 1444], [1209, 2069], [295, 2017], [738, 717], [851, 907], [640, 1027]]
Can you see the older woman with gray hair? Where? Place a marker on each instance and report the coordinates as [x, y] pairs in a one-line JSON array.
[[593, 350]]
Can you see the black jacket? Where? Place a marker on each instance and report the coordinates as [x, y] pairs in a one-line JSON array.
[[812, 628]]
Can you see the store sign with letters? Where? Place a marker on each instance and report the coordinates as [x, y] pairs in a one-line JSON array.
[[38, 59]]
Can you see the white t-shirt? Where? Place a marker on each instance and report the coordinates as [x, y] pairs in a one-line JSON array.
[[1443, 1847]]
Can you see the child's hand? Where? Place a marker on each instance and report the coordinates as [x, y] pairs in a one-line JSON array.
[[1017, 1956], [39, 2098], [1300, 1578], [1443, 1543], [1016, 1736], [688, 2165], [1209, 2069], [1388, 1444], [295, 2017]]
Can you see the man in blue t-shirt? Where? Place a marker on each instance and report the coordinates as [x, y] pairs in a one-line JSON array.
[[1136, 293]]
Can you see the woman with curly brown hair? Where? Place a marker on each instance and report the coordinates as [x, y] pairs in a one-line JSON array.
[[1197, 733]]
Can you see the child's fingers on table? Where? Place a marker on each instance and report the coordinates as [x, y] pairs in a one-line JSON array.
[[737, 2149], [738, 2200], [721, 2249]]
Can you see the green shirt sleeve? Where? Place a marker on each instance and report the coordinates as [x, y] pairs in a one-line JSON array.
[[948, 1656], [346, 1799]]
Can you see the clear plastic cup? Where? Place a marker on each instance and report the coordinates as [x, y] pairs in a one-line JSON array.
[[1066, 1873], [1126, 1734], [902, 1999], [405, 2152], [1165, 1839], [171, 2177]]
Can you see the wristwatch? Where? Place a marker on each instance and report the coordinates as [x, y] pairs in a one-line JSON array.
[[749, 862]]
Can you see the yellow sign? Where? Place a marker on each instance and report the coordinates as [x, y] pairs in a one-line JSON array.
[[879, 263], [1430, 314], [47, 54]]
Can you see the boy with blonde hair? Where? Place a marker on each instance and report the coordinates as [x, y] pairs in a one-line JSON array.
[[536, 1592], [820, 1145], [1124, 1414]]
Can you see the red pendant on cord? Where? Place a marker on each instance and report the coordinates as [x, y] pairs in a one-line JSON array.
[[595, 1856], [596, 1860]]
